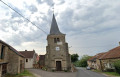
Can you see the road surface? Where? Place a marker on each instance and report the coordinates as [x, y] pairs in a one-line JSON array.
[[82, 72], [41, 73]]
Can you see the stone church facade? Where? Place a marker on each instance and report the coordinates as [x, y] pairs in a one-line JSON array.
[[57, 55]]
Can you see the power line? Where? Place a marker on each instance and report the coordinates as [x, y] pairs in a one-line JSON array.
[[22, 16]]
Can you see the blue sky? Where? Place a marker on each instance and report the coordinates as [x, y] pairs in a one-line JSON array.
[[91, 26]]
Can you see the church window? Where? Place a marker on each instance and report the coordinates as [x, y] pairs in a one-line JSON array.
[[55, 40], [58, 40], [2, 52]]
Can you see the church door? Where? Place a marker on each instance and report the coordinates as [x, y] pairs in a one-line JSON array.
[[58, 65]]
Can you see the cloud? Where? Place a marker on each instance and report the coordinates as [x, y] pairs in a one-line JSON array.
[[32, 8], [91, 26]]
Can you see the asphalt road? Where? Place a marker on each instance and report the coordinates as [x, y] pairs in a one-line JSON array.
[[41, 73], [82, 72]]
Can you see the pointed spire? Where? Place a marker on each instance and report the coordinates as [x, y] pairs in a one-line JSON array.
[[54, 27]]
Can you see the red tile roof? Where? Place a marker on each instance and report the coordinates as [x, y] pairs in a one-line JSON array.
[[27, 54], [112, 54], [97, 56]]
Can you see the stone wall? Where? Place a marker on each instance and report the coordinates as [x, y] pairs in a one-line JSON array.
[[12, 59], [13, 62], [53, 55], [0, 70]]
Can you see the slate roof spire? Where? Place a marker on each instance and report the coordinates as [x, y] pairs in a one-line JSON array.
[[54, 27]]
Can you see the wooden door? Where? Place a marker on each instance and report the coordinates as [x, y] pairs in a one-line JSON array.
[[20, 65], [58, 65], [4, 69]]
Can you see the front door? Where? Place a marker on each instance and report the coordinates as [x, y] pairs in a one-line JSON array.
[[58, 65]]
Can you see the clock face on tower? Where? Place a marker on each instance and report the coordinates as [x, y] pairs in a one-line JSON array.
[[57, 48]]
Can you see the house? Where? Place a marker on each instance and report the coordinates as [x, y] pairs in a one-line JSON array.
[[93, 62], [11, 61], [109, 58], [57, 55], [31, 58]]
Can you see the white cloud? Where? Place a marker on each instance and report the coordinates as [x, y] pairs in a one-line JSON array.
[[92, 26]]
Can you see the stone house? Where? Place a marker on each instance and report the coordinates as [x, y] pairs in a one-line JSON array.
[[109, 58], [93, 62], [104, 61], [11, 61], [31, 58], [57, 55]]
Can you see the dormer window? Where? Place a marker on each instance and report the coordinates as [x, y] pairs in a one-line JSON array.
[[2, 52]]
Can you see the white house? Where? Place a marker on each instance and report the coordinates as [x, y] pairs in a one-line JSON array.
[[30, 58]]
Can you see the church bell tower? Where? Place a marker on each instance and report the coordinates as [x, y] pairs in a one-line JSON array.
[[57, 55]]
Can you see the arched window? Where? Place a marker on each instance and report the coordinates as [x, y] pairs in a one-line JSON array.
[[56, 40]]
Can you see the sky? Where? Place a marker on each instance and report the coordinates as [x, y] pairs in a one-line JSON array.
[[91, 26]]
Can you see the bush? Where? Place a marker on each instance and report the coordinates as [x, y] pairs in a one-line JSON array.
[[65, 70], [53, 70], [110, 70], [117, 66]]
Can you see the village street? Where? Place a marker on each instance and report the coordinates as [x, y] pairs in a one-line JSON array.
[[41, 73], [82, 72]]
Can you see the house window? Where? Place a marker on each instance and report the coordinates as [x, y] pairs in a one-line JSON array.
[[26, 60], [2, 52]]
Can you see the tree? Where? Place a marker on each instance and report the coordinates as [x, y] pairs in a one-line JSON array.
[[74, 57], [83, 61], [117, 66]]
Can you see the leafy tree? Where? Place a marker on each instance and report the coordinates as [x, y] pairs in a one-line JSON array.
[[74, 57], [83, 61], [117, 66]]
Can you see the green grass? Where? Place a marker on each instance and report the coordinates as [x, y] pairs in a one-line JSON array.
[[112, 73], [108, 73], [25, 73]]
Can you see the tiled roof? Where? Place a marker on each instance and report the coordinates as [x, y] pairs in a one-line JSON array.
[[96, 56], [11, 48], [112, 54], [27, 54]]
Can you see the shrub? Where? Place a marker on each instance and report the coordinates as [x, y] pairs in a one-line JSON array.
[[110, 70], [65, 70], [53, 70], [117, 66]]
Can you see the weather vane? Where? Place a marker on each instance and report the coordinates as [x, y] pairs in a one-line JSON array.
[[53, 8]]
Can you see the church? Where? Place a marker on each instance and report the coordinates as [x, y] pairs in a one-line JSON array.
[[57, 55]]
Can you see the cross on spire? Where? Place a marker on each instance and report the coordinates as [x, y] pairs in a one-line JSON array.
[[53, 8]]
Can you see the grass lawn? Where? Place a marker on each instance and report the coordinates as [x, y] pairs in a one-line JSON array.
[[112, 73], [108, 73], [25, 73]]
